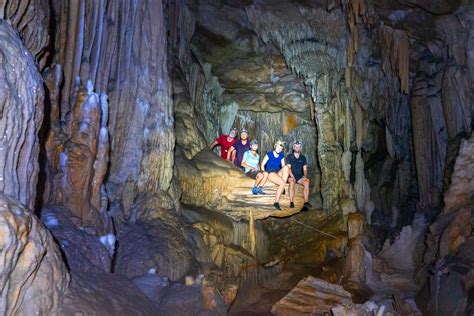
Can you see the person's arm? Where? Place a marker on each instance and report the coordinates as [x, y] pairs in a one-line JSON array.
[[245, 165], [229, 152], [305, 171], [213, 144], [264, 162]]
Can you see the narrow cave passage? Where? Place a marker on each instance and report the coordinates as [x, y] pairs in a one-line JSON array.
[[120, 193]]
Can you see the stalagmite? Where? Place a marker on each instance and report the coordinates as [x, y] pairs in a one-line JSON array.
[[252, 233], [81, 147]]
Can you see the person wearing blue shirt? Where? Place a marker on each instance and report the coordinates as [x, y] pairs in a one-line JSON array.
[[250, 161], [274, 164]]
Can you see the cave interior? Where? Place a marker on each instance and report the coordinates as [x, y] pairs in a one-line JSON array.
[[114, 201]]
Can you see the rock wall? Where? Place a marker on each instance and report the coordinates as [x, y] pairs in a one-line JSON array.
[[32, 20], [21, 115], [33, 275], [131, 68], [374, 119]]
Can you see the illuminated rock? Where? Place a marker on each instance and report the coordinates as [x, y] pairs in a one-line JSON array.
[[33, 275], [211, 182], [312, 296]]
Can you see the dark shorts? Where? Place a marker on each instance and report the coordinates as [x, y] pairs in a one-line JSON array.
[[252, 174]]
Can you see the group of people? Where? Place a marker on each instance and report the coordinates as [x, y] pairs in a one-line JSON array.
[[274, 166]]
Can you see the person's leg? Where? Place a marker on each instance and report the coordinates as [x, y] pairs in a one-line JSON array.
[[284, 173], [275, 178], [261, 179], [305, 183], [258, 179], [265, 178], [292, 189]]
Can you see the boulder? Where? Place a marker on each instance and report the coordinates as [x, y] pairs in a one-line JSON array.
[[83, 250], [153, 238], [105, 294], [312, 296], [33, 277]]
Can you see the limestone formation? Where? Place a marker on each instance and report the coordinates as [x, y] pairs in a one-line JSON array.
[[93, 46], [77, 153], [448, 240], [211, 182], [461, 189], [33, 275], [153, 238], [21, 115], [132, 92], [32, 20], [105, 294], [312, 296], [82, 251]]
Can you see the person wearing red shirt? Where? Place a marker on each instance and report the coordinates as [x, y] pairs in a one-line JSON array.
[[226, 141]]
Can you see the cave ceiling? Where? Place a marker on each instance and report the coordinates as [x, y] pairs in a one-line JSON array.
[[253, 74]]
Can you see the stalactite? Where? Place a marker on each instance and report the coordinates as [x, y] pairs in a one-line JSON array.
[[73, 44], [395, 54]]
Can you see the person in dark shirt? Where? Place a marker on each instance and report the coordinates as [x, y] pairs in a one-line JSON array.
[[274, 164], [236, 152], [298, 169], [226, 141]]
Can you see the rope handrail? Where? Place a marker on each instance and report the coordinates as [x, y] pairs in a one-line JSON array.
[[319, 231]]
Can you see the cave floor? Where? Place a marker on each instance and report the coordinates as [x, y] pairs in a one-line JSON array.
[[259, 299]]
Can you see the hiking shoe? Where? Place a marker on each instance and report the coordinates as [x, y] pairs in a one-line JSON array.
[[277, 205], [254, 191], [307, 205], [260, 190], [292, 205], [304, 209]]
